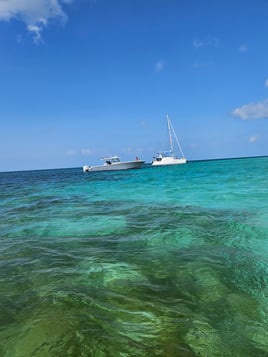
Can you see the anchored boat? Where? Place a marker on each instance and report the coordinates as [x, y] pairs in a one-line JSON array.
[[168, 157], [114, 163]]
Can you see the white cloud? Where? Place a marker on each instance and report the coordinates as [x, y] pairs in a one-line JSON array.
[[266, 83], [87, 152], [212, 41], [252, 110], [36, 32], [159, 66], [253, 139], [243, 48], [197, 43], [34, 13]]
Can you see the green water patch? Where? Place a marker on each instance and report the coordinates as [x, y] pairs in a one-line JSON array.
[[178, 302], [190, 299], [135, 280]]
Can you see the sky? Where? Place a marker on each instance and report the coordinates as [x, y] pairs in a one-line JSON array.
[[83, 79]]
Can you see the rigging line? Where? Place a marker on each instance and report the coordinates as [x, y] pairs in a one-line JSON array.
[[170, 136], [177, 140]]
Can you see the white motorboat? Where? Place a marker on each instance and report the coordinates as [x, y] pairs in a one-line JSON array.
[[114, 163], [168, 157]]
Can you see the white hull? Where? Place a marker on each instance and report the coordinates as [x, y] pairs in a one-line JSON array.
[[169, 161], [115, 166]]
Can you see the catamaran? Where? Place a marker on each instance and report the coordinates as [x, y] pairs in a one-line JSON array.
[[168, 157]]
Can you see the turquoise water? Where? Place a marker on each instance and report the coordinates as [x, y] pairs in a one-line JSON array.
[[161, 261]]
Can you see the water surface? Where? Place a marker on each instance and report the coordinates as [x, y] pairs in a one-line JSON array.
[[160, 261]]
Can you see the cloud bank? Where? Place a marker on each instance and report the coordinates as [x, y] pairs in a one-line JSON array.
[[252, 111], [34, 13]]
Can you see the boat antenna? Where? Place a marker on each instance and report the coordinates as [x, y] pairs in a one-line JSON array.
[[176, 138]]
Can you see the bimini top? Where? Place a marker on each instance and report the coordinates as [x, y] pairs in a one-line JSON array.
[[111, 159], [165, 153]]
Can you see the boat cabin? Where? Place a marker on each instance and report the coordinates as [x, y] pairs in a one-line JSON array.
[[111, 160], [160, 155]]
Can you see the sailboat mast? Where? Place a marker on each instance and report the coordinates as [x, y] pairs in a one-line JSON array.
[[170, 136]]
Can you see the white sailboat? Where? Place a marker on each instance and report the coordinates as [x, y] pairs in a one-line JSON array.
[[168, 157]]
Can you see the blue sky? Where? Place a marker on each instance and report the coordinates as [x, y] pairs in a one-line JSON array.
[[81, 79]]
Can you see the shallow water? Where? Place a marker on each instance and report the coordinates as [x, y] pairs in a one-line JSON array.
[[161, 261]]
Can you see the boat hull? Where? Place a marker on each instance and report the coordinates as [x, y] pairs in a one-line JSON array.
[[169, 161], [115, 166]]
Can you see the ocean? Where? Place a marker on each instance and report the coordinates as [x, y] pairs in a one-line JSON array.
[[160, 261]]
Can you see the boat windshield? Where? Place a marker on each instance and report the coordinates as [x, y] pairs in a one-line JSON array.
[[165, 153], [111, 160]]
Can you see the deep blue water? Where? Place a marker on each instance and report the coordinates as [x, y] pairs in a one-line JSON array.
[[160, 261]]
